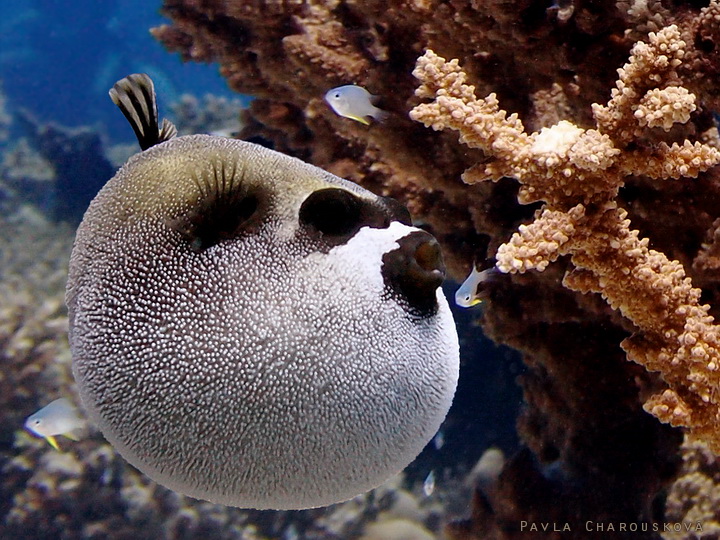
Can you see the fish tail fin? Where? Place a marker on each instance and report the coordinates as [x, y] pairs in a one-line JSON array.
[[53, 442], [135, 96], [380, 115]]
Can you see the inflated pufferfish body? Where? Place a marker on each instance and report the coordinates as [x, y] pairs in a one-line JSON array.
[[252, 330]]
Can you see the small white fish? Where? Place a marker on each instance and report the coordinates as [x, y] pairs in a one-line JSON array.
[[468, 295], [354, 102], [429, 484], [57, 418], [439, 440], [291, 533]]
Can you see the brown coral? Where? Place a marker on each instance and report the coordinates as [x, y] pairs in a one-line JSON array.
[[577, 173]]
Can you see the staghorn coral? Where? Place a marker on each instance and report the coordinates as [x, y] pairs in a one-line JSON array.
[[577, 173]]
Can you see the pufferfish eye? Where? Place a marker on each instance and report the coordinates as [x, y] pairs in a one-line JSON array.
[[337, 214], [332, 212]]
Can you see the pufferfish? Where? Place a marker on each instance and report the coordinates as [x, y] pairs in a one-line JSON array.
[[251, 330]]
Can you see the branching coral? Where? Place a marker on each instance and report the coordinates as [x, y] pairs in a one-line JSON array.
[[577, 173]]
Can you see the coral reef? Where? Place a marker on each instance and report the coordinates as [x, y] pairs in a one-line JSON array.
[[89, 491], [25, 176], [695, 495], [624, 222], [33, 321], [577, 173], [211, 114], [77, 159]]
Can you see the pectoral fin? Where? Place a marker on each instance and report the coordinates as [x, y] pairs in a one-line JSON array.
[[358, 119], [52, 442]]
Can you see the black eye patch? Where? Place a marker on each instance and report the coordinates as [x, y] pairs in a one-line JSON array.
[[332, 212], [334, 215]]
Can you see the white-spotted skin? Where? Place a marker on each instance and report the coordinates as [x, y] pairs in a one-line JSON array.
[[260, 372]]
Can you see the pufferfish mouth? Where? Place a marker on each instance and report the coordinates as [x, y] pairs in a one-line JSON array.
[[414, 271]]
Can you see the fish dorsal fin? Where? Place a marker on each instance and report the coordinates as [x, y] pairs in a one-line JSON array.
[[135, 96]]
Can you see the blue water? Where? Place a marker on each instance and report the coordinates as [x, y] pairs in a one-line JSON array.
[[58, 59]]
